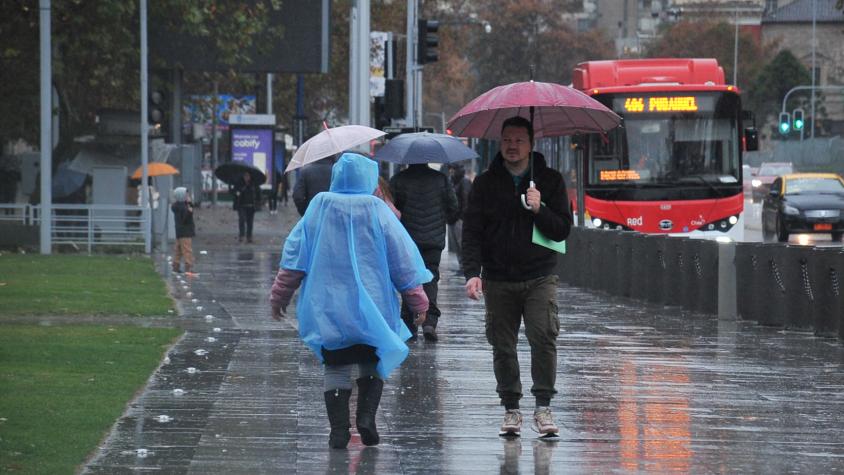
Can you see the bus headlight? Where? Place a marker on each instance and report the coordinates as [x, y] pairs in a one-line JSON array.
[[597, 222], [733, 219]]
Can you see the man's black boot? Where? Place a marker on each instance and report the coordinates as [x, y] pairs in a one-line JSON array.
[[337, 407], [369, 397]]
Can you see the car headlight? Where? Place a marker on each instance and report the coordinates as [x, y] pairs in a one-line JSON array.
[[756, 183], [787, 209]]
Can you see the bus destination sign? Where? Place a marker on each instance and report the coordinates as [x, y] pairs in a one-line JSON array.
[[662, 104]]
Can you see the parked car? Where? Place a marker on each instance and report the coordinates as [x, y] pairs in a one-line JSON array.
[[765, 176], [804, 203]]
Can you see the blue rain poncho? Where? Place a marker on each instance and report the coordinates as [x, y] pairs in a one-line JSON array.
[[355, 255]]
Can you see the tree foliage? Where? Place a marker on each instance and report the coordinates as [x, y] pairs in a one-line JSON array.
[[782, 73]]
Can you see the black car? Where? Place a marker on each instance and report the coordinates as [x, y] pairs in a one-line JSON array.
[[804, 203]]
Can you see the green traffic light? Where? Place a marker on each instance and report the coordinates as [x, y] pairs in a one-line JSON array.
[[798, 124], [784, 127]]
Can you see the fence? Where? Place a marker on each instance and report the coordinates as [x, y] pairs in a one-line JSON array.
[[793, 287], [89, 226]]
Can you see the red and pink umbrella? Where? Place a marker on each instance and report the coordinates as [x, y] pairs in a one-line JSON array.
[[553, 109]]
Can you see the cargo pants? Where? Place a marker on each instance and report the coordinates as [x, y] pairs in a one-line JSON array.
[[507, 303]]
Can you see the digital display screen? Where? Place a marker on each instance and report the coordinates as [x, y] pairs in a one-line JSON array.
[[619, 175], [663, 104]]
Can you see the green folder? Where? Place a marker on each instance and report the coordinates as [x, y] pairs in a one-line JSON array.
[[539, 238]]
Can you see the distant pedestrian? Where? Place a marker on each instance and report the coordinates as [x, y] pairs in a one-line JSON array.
[[383, 192], [462, 186], [182, 208], [518, 276], [313, 178], [273, 192], [247, 200], [351, 255], [427, 203], [284, 188]]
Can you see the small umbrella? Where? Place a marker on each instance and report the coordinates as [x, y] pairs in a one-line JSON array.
[[230, 173], [424, 147], [331, 142], [155, 169], [552, 109]]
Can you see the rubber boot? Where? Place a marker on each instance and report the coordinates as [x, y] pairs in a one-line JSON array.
[[337, 407], [369, 396]]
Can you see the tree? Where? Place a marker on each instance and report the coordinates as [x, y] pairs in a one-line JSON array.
[[702, 39], [782, 73], [96, 54]]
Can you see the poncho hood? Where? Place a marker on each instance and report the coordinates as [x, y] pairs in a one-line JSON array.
[[354, 174]]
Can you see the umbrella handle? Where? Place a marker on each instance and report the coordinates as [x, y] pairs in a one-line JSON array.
[[524, 201]]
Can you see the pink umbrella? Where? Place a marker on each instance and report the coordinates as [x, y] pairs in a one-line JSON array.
[[553, 109]]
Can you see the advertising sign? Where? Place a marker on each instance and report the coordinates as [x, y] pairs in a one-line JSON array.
[[253, 146], [197, 110]]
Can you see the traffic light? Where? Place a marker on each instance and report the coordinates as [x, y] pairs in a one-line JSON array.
[[798, 119], [427, 41], [155, 108], [785, 123]]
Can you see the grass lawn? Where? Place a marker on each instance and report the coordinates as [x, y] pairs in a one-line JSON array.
[[80, 285], [62, 388]]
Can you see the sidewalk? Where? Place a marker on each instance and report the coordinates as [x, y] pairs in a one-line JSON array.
[[641, 388]]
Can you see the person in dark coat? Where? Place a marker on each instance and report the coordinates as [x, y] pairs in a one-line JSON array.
[[462, 186], [516, 276], [185, 229], [247, 200], [314, 178], [426, 201]]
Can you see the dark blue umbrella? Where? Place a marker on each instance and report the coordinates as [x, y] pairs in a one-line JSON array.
[[424, 147], [66, 181]]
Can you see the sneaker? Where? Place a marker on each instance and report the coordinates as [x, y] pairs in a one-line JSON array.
[[430, 334], [512, 425], [543, 422]]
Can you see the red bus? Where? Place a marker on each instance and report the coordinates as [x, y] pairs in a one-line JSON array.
[[675, 167]]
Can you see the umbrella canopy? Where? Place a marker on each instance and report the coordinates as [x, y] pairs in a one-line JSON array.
[[156, 169], [230, 173], [424, 147], [331, 142], [553, 109]]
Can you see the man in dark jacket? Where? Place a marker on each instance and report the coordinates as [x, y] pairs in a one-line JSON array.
[[314, 178], [427, 202], [516, 276], [462, 186], [247, 200]]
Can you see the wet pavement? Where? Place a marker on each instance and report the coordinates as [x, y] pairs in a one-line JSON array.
[[641, 388]]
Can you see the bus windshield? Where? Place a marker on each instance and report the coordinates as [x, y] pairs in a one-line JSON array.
[[688, 139]]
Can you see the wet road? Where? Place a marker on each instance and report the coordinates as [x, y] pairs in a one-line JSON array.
[[641, 389]]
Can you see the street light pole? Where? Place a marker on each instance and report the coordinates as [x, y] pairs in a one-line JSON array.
[[46, 229], [814, 41], [735, 51]]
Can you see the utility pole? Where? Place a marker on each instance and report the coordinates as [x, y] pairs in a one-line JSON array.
[[814, 41], [44, 28], [145, 132], [359, 63], [410, 62], [735, 51]]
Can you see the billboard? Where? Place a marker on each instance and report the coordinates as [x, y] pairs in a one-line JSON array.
[[253, 146], [197, 111]]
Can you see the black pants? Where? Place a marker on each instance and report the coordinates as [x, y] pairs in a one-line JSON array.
[[273, 201], [245, 218], [431, 258]]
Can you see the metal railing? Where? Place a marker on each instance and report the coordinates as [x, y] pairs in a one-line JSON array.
[[16, 213], [88, 226]]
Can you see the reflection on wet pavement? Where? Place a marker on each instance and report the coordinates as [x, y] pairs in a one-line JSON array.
[[641, 389]]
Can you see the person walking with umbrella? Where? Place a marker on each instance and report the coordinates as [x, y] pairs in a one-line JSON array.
[[351, 255], [518, 276], [247, 200]]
